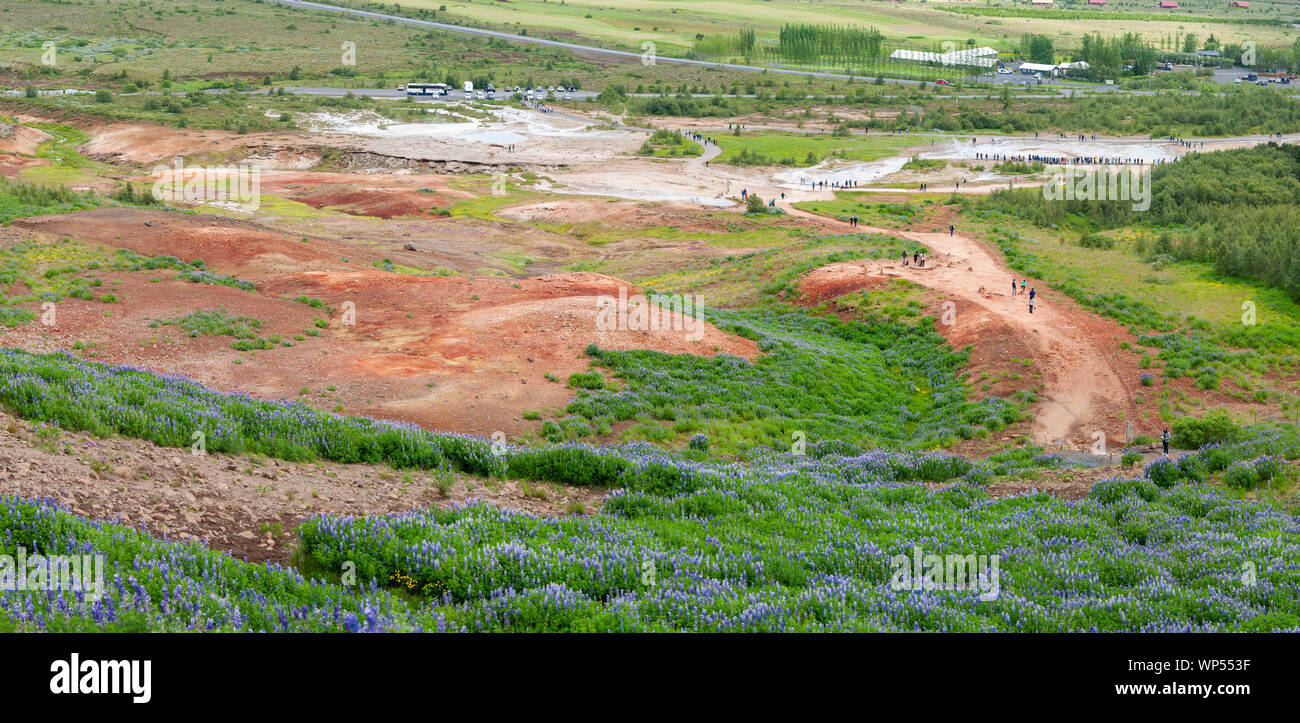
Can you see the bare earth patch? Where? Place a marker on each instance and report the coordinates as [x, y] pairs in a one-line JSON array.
[[248, 506]]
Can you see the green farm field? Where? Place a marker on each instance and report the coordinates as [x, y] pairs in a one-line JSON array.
[[673, 27]]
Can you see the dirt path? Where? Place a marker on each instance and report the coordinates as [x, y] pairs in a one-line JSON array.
[[1083, 388]]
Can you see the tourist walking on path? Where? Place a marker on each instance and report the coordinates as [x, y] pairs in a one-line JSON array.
[[1164, 440], [1013, 287], [1031, 304], [1022, 286]]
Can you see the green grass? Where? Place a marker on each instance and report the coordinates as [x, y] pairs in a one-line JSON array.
[[769, 276], [802, 150], [28, 199], [888, 214], [216, 322], [667, 144], [870, 385]]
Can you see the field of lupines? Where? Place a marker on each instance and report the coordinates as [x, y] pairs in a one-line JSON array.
[[781, 543], [787, 544], [880, 385]]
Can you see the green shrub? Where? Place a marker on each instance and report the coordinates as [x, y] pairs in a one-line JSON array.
[[587, 380], [1195, 432]]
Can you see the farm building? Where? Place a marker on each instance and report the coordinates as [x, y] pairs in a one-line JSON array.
[[1096, 2], [1167, 4], [1075, 68], [1238, 4], [1031, 68], [1040, 3]]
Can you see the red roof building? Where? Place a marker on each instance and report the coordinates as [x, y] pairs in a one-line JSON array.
[[1238, 4], [1168, 4]]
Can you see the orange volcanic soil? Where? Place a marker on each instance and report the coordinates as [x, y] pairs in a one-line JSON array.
[[448, 352]]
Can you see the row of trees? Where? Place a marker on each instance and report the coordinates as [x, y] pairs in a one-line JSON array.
[[1107, 58], [799, 43], [805, 43]]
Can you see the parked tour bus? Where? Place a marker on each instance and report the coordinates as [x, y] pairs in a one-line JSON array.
[[427, 88]]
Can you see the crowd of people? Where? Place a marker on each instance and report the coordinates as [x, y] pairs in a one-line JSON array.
[[1067, 160], [839, 185], [700, 138]]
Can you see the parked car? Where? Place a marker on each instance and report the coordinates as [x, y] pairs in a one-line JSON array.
[[941, 81], [1004, 71]]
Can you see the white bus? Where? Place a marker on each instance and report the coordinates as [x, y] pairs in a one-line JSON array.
[[427, 88]]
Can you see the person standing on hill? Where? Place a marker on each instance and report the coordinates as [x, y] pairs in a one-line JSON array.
[[1164, 440], [1031, 304], [1013, 287]]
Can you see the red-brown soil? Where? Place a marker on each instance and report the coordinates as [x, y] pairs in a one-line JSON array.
[[447, 352], [17, 144], [147, 144]]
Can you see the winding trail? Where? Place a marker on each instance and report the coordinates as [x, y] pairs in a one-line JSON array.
[[1084, 390]]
